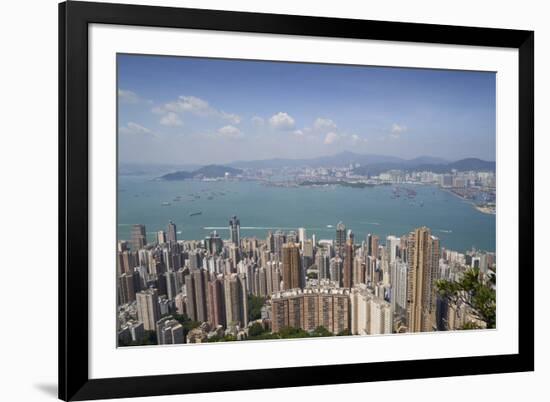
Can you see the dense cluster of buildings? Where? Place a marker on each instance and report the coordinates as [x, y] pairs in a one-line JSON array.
[[344, 285]]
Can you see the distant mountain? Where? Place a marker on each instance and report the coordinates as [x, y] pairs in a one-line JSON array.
[[419, 165], [338, 160], [209, 171], [473, 164], [145, 169], [212, 171], [426, 160], [181, 175]]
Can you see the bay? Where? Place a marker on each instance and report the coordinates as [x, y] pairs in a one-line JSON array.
[[262, 208]]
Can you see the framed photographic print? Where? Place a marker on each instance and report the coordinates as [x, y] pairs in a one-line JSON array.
[[257, 200]]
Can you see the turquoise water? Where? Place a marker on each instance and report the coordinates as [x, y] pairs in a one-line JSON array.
[[260, 208]]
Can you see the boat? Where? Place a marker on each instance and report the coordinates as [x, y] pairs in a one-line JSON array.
[[195, 213], [165, 204]]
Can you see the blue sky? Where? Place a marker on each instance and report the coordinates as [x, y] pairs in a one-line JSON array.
[[181, 110]]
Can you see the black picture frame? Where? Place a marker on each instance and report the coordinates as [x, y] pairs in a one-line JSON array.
[[74, 19]]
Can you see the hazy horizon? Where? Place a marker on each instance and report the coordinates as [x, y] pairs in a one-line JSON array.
[[276, 158], [195, 111]]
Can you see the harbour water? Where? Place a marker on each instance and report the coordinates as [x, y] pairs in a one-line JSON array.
[[262, 208]]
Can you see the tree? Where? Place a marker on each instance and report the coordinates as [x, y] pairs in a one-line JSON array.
[[149, 338], [312, 275], [291, 332], [321, 331], [255, 329], [472, 291], [255, 304]]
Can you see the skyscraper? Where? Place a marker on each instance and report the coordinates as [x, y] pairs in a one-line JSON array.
[[169, 331], [270, 241], [148, 308], [392, 246], [236, 302], [171, 284], [216, 302], [348, 262], [302, 237], [380, 317], [322, 262], [335, 270], [372, 245], [340, 238], [359, 268], [139, 239], [292, 275], [127, 292], [279, 238], [172, 234], [423, 252], [213, 243], [235, 230], [195, 287], [161, 237]]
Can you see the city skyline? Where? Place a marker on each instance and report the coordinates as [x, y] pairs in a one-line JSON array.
[[231, 110], [196, 291]]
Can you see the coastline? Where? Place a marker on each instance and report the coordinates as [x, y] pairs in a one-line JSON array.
[[484, 209]]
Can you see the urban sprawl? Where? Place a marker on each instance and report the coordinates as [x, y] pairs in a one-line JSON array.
[[288, 285]]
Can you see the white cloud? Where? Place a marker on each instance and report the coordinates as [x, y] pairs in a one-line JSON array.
[[298, 133], [282, 121], [356, 139], [135, 129], [331, 138], [257, 121], [323, 124], [126, 96], [171, 119], [233, 118], [398, 128], [196, 106], [230, 132], [190, 104]]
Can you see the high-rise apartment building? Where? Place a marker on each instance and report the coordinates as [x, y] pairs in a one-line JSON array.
[[126, 288], [279, 239], [148, 308], [235, 230], [139, 239], [310, 308], [195, 286], [335, 269], [380, 317], [372, 245], [216, 302], [292, 275], [236, 300], [172, 233], [348, 262], [423, 257], [359, 270], [169, 331], [323, 263], [340, 238], [392, 247], [161, 237]]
